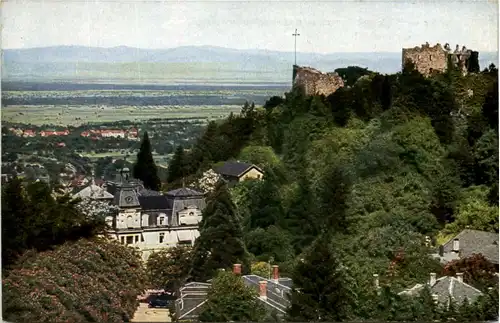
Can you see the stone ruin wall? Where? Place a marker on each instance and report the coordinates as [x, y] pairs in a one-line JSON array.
[[429, 60], [315, 82], [426, 59]]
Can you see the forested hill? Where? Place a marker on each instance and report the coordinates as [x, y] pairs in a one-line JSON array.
[[379, 166]]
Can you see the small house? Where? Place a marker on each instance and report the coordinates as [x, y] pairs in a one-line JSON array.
[[273, 293], [467, 243], [445, 289], [234, 172]]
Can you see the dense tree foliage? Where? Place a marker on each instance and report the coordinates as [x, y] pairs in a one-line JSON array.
[[230, 300], [84, 281], [383, 167], [168, 269], [323, 290], [220, 244], [145, 167], [33, 217]]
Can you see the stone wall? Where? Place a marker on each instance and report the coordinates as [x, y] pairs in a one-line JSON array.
[[315, 82], [429, 60]]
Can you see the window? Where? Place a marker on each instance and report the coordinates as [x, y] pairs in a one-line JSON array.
[[191, 214], [185, 243], [122, 240], [136, 239], [161, 220], [130, 222], [142, 238], [430, 58], [130, 239], [162, 237]]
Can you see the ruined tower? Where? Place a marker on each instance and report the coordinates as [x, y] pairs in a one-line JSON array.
[[429, 60], [315, 82]]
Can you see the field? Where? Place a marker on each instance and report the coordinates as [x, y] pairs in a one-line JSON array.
[[76, 103], [77, 115]]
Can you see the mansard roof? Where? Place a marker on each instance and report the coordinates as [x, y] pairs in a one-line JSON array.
[[184, 192], [158, 202], [147, 192]]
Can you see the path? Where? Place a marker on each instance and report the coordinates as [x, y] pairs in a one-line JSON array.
[[145, 314]]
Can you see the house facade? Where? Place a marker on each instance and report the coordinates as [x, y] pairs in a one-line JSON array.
[[150, 220]]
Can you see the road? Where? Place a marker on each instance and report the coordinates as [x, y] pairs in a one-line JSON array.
[[145, 314]]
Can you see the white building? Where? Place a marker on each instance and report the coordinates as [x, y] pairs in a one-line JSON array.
[[150, 220]]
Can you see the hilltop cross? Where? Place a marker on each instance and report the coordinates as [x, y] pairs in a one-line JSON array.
[[295, 35]]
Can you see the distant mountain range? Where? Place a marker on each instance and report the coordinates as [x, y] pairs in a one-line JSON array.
[[187, 62]]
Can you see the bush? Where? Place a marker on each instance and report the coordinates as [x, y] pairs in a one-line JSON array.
[[85, 281]]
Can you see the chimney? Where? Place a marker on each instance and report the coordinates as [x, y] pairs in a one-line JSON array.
[[263, 289], [376, 281], [435, 297], [237, 269], [276, 273], [432, 282], [441, 250], [460, 277], [456, 245]]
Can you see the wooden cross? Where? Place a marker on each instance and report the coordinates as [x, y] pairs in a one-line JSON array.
[[295, 35]]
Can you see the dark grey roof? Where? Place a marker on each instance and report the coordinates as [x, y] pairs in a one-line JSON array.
[[147, 192], [475, 242], [234, 168], [154, 202], [126, 197], [193, 296], [277, 294], [445, 287], [183, 193]]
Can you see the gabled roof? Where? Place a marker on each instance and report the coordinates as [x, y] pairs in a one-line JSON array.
[[184, 192], [94, 192], [445, 287], [475, 242], [193, 295], [234, 168], [154, 202]]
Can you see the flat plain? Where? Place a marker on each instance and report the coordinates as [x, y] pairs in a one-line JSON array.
[[78, 115]]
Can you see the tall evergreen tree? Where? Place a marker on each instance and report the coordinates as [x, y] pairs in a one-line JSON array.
[[220, 244], [145, 167], [177, 166], [333, 193], [322, 291]]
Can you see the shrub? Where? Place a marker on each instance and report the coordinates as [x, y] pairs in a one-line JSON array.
[[84, 281]]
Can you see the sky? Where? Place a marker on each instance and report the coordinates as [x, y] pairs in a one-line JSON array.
[[324, 26]]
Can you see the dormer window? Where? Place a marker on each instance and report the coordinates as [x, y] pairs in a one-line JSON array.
[[191, 214], [161, 220]]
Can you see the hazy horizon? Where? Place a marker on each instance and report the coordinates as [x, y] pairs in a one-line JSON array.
[[347, 26], [222, 47]]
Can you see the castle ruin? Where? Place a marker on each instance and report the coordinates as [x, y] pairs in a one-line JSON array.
[[315, 82], [429, 60]]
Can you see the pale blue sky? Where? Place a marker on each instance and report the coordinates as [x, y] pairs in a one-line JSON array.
[[325, 26]]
